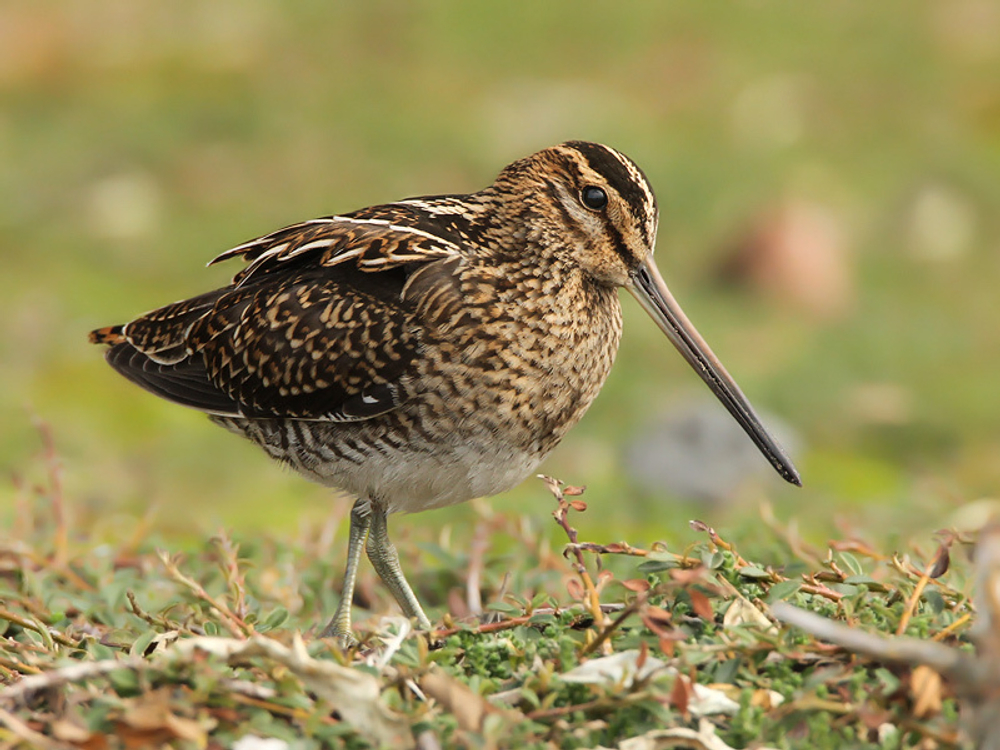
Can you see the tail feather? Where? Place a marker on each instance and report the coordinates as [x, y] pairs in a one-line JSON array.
[[154, 352], [185, 383], [110, 335]]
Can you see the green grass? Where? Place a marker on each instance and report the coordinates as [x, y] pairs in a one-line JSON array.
[[136, 644]]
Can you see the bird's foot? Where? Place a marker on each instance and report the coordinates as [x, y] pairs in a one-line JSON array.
[[341, 631]]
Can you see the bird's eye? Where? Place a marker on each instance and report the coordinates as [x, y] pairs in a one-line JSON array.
[[594, 198]]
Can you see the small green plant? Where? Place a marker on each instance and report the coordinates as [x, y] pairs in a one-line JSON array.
[[138, 645]]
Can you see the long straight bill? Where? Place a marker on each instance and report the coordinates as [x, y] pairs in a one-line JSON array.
[[648, 287]]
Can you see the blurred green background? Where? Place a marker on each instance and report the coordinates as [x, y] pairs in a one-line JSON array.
[[828, 176]]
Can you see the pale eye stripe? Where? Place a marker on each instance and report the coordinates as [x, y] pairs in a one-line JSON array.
[[647, 209]]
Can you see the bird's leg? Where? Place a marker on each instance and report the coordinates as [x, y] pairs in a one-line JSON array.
[[361, 523], [385, 560]]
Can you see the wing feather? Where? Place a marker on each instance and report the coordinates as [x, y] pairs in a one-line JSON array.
[[315, 326]]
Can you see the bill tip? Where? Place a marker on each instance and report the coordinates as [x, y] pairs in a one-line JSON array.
[[791, 475]]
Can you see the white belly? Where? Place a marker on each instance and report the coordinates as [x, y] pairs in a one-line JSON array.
[[412, 482]]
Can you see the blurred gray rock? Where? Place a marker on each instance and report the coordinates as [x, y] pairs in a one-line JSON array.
[[697, 451]]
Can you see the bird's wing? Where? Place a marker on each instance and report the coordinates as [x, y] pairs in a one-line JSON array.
[[369, 244], [317, 326]]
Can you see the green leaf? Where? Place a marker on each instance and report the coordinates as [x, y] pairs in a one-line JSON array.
[[889, 682], [934, 600], [140, 644], [752, 571], [530, 697], [866, 581], [543, 619], [850, 562], [124, 681], [655, 566], [846, 589], [539, 599], [781, 591], [714, 561], [274, 620]]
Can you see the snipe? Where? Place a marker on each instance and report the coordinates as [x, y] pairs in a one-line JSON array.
[[421, 353]]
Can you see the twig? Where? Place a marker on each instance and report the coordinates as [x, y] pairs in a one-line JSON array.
[[930, 571], [29, 735], [513, 622], [615, 548], [235, 625], [159, 622], [354, 693], [818, 589], [604, 704], [900, 649], [60, 540], [911, 603], [51, 637], [14, 669], [21, 690], [718, 541], [230, 564], [278, 709], [613, 625], [593, 600], [473, 578], [948, 630]]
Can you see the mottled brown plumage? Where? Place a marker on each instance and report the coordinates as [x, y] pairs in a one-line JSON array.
[[425, 352]]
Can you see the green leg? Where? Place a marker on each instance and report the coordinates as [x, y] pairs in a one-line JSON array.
[[385, 560], [340, 625]]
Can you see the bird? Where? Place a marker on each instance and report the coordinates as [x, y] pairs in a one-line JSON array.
[[421, 353]]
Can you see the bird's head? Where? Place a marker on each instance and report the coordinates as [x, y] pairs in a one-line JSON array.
[[594, 204]]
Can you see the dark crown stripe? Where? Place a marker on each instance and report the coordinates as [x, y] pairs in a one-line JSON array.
[[623, 175]]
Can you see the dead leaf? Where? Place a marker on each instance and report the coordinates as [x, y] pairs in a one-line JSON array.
[[620, 668], [469, 708], [71, 730], [355, 694], [925, 686], [766, 699], [743, 612], [688, 575], [253, 742], [711, 701], [656, 618], [701, 605], [638, 585], [704, 738], [574, 588], [680, 695], [942, 559], [153, 714], [643, 655]]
